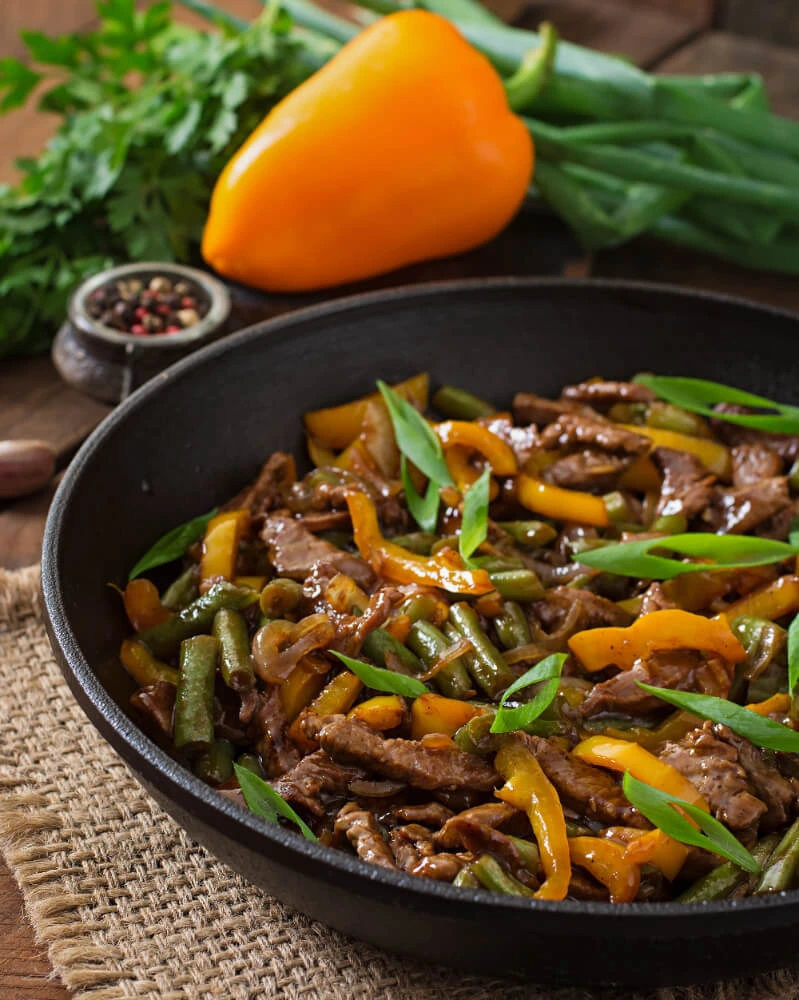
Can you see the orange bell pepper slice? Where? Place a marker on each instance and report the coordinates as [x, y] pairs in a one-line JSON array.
[[467, 434], [598, 648], [563, 505], [143, 604], [445, 569], [463, 472], [221, 545], [384, 711], [606, 861], [319, 453], [641, 475], [433, 713], [528, 789], [771, 601], [714, 456], [650, 847]]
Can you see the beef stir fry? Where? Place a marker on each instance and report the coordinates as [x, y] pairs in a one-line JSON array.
[[547, 651]]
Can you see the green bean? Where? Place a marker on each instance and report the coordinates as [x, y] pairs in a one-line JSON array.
[[378, 643], [671, 524], [280, 597], [216, 764], [518, 584], [512, 627], [793, 476], [499, 564], [164, 640], [490, 672], [578, 830], [253, 763], [420, 607], [669, 417], [529, 853], [466, 879], [494, 877], [781, 870], [476, 737], [429, 643], [420, 542], [716, 884], [616, 506], [530, 534], [230, 629], [194, 700], [763, 641], [457, 404], [183, 590]]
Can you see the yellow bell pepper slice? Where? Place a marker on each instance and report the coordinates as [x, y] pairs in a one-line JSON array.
[[143, 604], [598, 648], [253, 582], [337, 426], [650, 847], [606, 861], [563, 505], [714, 456], [337, 697], [771, 601], [463, 472], [528, 789], [467, 434], [142, 665], [777, 704], [221, 545], [319, 454], [385, 711], [445, 569], [641, 475], [433, 713], [301, 686]]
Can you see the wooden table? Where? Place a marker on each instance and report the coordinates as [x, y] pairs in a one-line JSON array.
[[671, 37]]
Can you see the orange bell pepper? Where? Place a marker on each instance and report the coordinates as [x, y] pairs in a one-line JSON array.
[[143, 604], [384, 711], [563, 505], [714, 456], [598, 648], [445, 569], [771, 601], [528, 789], [401, 149], [471, 435], [606, 861], [463, 472], [650, 847], [319, 453], [338, 426], [221, 546], [433, 713]]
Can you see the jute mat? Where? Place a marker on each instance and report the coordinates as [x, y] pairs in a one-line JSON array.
[[129, 906]]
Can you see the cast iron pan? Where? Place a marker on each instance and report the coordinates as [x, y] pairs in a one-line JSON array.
[[195, 434]]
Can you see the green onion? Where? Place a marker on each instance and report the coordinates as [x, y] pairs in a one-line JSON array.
[[793, 655], [508, 720], [658, 808], [383, 680], [424, 510], [727, 552], [264, 801], [699, 396], [173, 544], [415, 437], [758, 729], [474, 524]]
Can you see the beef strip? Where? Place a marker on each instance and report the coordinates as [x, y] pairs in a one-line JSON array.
[[270, 489], [777, 792], [784, 445], [482, 839], [584, 886], [589, 790], [157, 702], [493, 814], [753, 462], [531, 409], [360, 828], [574, 431], [739, 511], [655, 599], [432, 814], [605, 394], [414, 852], [712, 766], [587, 470], [350, 741], [678, 669], [687, 485], [312, 781], [523, 441], [293, 551], [593, 611], [267, 729]]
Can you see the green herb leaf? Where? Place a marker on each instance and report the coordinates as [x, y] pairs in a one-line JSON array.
[[474, 523], [793, 655], [173, 544], [758, 729], [727, 552], [508, 720], [658, 807], [383, 680], [415, 437], [423, 510], [699, 396], [264, 801]]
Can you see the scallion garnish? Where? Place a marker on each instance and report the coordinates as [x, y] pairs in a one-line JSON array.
[[173, 544], [383, 680], [474, 523], [264, 801], [508, 720]]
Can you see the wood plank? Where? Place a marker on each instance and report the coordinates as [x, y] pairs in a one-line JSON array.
[[774, 21]]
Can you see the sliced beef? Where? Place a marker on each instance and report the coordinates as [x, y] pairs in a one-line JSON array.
[[780, 794], [482, 839], [361, 829], [414, 852], [267, 726], [592, 611], [655, 599], [583, 886], [157, 702], [602, 394], [573, 431], [270, 489], [679, 670], [587, 470], [784, 445], [590, 791], [313, 781], [293, 551], [493, 814], [753, 462], [687, 485], [523, 441], [713, 768], [531, 409], [432, 814], [350, 741], [741, 510]]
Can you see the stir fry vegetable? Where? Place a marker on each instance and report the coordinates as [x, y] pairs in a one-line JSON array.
[[519, 706]]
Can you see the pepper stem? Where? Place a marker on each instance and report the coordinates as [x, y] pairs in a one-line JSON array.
[[535, 70]]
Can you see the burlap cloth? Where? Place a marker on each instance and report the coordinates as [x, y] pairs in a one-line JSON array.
[[129, 906]]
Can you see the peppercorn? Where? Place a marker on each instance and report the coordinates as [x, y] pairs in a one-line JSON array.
[[158, 307]]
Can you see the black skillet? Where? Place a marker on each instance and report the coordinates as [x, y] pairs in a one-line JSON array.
[[195, 434]]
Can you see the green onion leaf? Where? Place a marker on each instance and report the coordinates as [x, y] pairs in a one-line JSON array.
[[415, 437], [173, 544], [793, 655], [424, 510], [264, 801], [727, 552], [658, 807], [699, 396], [758, 729], [793, 537], [474, 524], [508, 720], [383, 680]]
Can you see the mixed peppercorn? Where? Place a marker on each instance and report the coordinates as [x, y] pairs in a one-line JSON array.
[[158, 306]]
